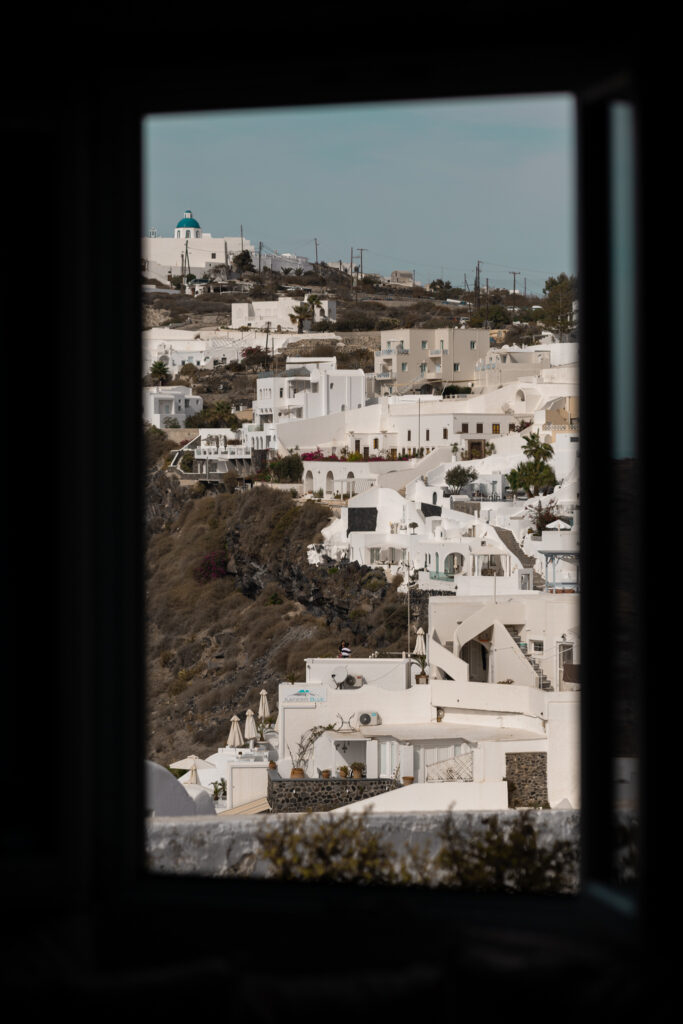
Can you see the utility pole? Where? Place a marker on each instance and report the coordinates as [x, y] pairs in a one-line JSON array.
[[487, 303], [260, 248], [361, 251], [225, 248], [515, 275], [241, 238], [316, 252], [477, 288]]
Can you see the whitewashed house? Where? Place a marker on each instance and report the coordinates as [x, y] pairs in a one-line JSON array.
[[501, 683], [161, 404]]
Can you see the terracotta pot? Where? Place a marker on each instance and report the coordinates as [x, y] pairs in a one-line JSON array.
[[421, 679], [297, 773], [357, 773], [408, 780], [272, 765], [326, 773]]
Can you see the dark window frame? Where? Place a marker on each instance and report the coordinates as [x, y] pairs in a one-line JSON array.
[[95, 855]]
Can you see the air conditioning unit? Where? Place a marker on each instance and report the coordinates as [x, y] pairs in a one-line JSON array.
[[368, 718]]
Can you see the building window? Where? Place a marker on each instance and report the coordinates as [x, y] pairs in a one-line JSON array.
[[537, 646], [427, 437], [480, 428], [404, 367], [424, 344], [445, 432], [281, 392], [375, 443], [423, 369], [409, 435], [495, 428], [464, 428], [473, 344], [456, 367], [331, 386]]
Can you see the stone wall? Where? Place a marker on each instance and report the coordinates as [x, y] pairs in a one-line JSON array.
[[527, 779], [287, 795]]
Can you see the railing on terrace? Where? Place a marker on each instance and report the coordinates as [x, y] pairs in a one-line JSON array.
[[383, 376], [446, 576], [451, 769]]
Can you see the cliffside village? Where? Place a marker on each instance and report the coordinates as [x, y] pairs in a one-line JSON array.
[[454, 465]]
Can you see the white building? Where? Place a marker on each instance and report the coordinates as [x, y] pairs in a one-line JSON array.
[[307, 388], [501, 683], [172, 402], [276, 313], [163, 257]]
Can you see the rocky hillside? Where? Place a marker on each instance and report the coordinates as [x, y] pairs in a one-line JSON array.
[[233, 606]]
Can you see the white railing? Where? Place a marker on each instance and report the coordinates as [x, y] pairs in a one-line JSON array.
[[452, 769]]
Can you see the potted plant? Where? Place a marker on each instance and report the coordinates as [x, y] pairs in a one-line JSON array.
[[343, 771], [357, 769], [325, 773], [408, 780]]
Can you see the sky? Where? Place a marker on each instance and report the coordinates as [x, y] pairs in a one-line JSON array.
[[425, 186]]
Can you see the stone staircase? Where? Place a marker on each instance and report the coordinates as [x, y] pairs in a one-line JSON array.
[[534, 662]]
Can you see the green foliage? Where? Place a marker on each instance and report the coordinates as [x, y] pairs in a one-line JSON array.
[[505, 855], [187, 462], [288, 469], [535, 478], [156, 445], [458, 476], [171, 422], [537, 450], [159, 372], [560, 293], [299, 315], [219, 414], [243, 262]]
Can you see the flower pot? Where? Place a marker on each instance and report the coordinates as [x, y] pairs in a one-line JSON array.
[[408, 780], [357, 773], [297, 773], [272, 765], [326, 773], [421, 678]]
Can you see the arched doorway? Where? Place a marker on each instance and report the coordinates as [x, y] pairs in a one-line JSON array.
[[329, 483], [308, 482], [453, 563]]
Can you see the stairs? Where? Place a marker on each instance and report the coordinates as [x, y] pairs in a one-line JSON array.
[[544, 682]]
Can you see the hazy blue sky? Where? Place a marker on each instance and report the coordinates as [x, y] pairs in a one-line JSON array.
[[426, 186]]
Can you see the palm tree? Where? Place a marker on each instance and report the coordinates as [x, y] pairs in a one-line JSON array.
[[313, 302], [159, 371], [537, 450], [299, 314]]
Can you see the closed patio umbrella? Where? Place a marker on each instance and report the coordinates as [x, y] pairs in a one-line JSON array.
[[235, 737], [263, 709], [420, 647], [250, 731]]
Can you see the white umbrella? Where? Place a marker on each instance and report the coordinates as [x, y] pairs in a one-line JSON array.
[[192, 762], [557, 524], [250, 730], [235, 737], [263, 709], [420, 648]]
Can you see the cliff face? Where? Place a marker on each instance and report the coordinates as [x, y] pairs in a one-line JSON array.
[[233, 607]]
